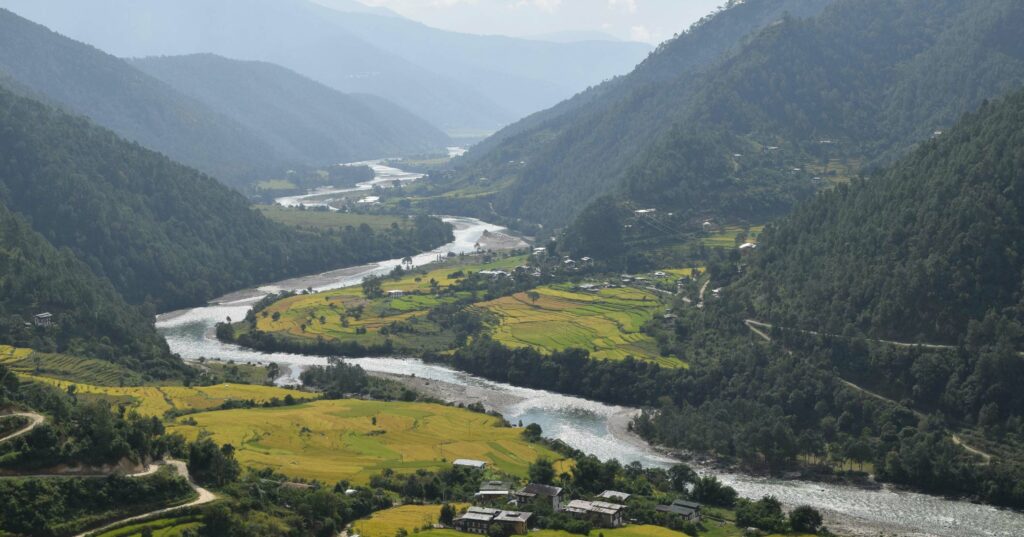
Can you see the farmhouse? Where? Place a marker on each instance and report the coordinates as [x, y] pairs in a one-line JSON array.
[[396, 293], [682, 508], [480, 519], [469, 463], [43, 319], [604, 514], [641, 212], [615, 496], [494, 492], [531, 492]]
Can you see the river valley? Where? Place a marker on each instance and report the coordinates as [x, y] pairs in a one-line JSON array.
[[590, 426]]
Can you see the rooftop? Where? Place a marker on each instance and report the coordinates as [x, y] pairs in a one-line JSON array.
[[536, 489], [469, 463]]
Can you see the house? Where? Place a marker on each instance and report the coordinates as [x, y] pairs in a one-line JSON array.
[[747, 248], [43, 320], [708, 226], [614, 496], [681, 508], [642, 212], [539, 251], [494, 274], [396, 293], [533, 491], [494, 492], [469, 463], [480, 519], [603, 514]]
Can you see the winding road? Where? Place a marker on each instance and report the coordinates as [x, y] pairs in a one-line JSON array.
[[35, 420], [758, 328]]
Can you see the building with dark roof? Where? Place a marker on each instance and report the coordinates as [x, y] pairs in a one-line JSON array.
[[682, 508], [531, 492], [479, 520]]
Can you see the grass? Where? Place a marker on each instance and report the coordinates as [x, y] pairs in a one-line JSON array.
[[606, 322], [386, 523], [242, 373], [276, 184], [307, 310], [158, 400], [726, 238], [338, 440], [164, 527], [328, 220]]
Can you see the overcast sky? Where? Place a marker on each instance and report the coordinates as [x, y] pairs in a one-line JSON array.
[[651, 21]]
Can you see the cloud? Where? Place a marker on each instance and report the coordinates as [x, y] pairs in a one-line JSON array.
[[544, 5], [640, 33], [626, 5]]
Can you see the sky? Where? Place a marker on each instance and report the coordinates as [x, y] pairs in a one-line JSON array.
[[650, 21]]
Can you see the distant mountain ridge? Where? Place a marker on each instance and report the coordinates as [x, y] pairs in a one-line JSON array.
[[870, 77], [306, 122], [458, 82]]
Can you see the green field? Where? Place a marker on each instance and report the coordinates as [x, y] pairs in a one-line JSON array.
[[164, 527], [157, 400], [327, 220], [300, 315], [606, 322], [726, 238], [628, 531], [338, 440], [386, 523], [276, 184]]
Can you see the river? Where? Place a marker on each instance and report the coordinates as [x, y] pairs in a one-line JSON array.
[[587, 425]]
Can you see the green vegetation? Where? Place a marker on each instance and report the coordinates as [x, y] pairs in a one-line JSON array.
[[411, 518], [164, 527], [606, 322], [732, 236], [67, 367], [324, 220], [353, 440]]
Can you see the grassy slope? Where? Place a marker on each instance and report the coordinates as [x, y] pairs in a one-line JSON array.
[[326, 220], [64, 367], [156, 400], [386, 523], [336, 440]]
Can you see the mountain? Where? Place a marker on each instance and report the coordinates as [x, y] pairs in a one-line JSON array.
[[304, 121], [870, 78], [162, 233], [89, 317], [86, 81], [459, 82], [919, 252]]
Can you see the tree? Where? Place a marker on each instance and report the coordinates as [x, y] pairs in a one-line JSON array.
[[447, 516], [542, 471], [682, 476], [372, 287], [533, 432], [534, 296], [805, 519]]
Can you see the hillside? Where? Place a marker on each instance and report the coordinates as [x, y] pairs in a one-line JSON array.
[[89, 317], [872, 78], [459, 82], [86, 81], [162, 233], [916, 253], [304, 121]]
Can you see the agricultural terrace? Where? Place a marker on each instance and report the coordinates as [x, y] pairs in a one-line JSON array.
[[158, 400], [606, 322], [386, 523], [347, 315], [354, 440], [726, 238], [65, 367], [164, 527], [685, 272], [713, 529], [328, 220]]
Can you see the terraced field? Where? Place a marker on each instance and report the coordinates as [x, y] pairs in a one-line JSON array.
[[605, 322], [386, 523], [713, 530], [327, 220], [72, 368], [726, 238], [165, 527], [354, 439], [301, 316], [157, 400]]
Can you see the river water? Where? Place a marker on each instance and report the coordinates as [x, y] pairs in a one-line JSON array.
[[587, 425]]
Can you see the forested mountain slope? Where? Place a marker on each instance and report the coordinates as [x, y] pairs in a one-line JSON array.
[[869, 77], [162, 233], [304, 121], [87, 81], [89, 317], [459, 82], [917, 253]]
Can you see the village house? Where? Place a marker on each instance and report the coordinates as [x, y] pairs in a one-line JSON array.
[[533, 491], [603, 514], [469, 463], [395, 293], [684, 509], [480, 519], [494, 492], [43, 320], [615, 496], [747, 248]]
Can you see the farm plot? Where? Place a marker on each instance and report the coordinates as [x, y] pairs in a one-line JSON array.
[[158, 400], [386, 523], [354, 440], [66, 367], [607, 322]]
